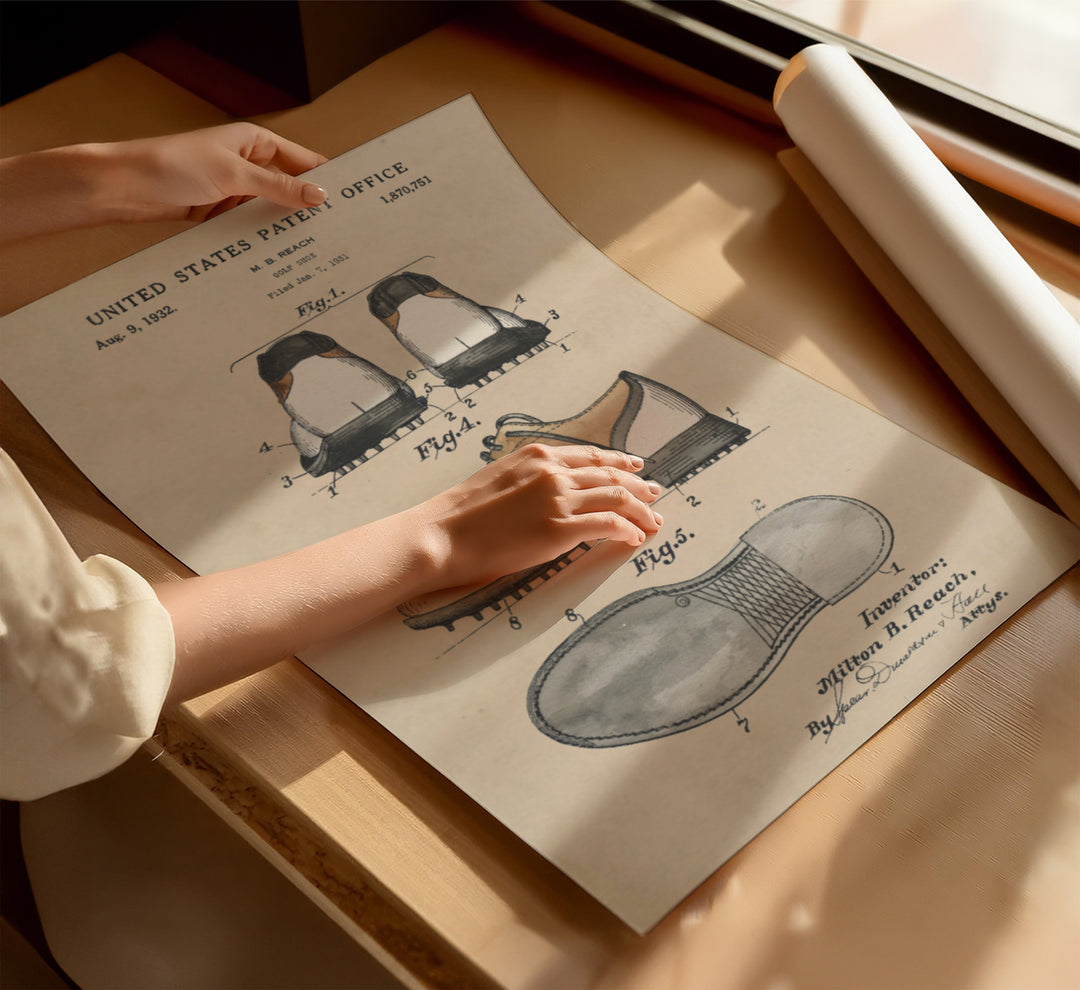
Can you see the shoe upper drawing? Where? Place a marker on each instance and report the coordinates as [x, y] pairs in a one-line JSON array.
[[340, 406], [666, 659], [673, 434], [459, 340]]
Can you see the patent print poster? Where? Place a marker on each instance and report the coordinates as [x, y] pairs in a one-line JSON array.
[[266, 380]]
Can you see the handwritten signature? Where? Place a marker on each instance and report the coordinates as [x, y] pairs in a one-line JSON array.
[[873, 674]]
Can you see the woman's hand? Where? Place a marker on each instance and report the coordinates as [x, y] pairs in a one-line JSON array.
[[200, 174], [189, 176], [534, 505]]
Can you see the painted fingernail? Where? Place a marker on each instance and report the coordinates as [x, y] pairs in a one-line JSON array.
[[654, 488], [313, 194], [636, 462]]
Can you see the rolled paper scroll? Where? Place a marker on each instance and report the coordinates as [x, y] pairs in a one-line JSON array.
[[998, 310]]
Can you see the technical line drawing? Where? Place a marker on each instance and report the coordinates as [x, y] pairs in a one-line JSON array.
[[432, 610], [667, 659], [675, 436], [455, 338], [341, 407]]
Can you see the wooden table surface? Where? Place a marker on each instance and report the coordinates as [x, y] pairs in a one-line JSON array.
[[944, 853]]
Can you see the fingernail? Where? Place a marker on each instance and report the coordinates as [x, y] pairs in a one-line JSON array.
[[312, 194], [654, 488], [659, 518], [636, 462]]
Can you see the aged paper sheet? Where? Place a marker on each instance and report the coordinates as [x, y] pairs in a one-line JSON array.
[[266, 380]]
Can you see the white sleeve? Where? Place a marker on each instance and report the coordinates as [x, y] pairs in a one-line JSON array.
[[86, 653]]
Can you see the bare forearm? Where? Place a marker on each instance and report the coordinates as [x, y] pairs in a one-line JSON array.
[[230, 624], [58, 189], [177, 177], [518, 511]]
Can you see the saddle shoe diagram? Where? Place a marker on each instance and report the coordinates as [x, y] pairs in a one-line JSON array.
[[457, 339], [675, 436], [341, 407], [667, 659]]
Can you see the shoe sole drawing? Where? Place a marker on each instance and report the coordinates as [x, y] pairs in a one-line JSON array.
[[358, 440], [667, 659], [428, 612], [675, 436], [342, 408], [455, 338]]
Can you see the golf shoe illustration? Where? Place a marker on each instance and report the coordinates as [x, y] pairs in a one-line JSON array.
[[341, 407], [667, 659], [457, 339], [673, 434]]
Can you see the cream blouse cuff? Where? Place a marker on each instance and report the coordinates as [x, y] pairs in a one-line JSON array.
[[86, 653]]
